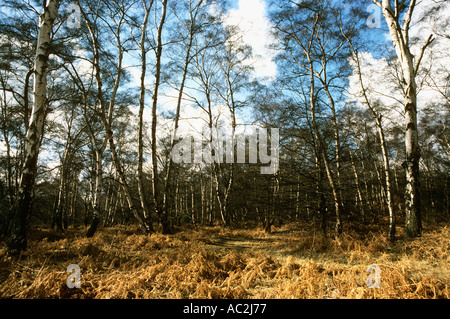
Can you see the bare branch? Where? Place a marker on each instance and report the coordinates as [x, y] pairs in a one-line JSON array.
[[422, 51], [407, 21]]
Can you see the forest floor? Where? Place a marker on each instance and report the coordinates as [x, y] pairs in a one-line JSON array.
[[295, 261]]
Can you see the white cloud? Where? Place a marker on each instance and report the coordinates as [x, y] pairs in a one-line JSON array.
[[250, 17]]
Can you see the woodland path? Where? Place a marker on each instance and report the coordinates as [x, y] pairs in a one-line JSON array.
[[275, 244]]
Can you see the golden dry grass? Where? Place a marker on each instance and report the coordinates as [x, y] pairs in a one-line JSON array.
[[212, 262]]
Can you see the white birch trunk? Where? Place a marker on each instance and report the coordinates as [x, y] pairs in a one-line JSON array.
[[18, 240], [400, 39], [161, 211], [141, 189]]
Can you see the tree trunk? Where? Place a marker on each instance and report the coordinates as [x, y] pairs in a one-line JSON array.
[[58, 211], [192, 31], [369, 199], [390, 202], [106, 117], [337, 143], [358, 188], [18, 239], [211, 201], [161, 211], [322, 199], [96, 193], [384, 150], [141, 189], [202, 197], [318, 138], [400, 39], [73, 198], [193, 219], [322, 152]]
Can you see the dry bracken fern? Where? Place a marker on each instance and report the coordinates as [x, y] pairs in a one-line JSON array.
[[212, 262]]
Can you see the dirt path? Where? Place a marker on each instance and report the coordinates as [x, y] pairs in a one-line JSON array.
[[235, 243], [281, 243], [268, 246]]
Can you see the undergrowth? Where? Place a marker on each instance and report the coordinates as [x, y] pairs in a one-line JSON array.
[[213, 262]]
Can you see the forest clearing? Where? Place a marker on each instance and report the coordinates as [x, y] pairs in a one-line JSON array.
[[214, 262]]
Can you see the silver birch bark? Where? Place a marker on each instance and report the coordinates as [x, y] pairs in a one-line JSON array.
[[399, 32], [358, 187], [18, 240], [161, 211], [144, 206]]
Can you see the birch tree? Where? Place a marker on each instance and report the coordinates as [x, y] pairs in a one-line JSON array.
[[143, 52], [384, 149], [304, 51], [398, 15], [235, 78], [219, 76], [158, 200], [18, 239], [190, 28], [117, 14]]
